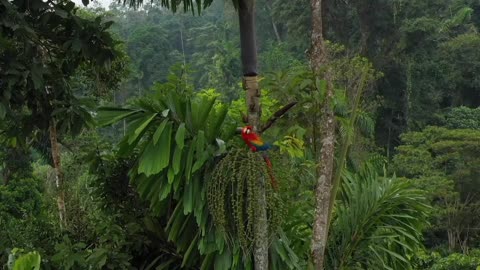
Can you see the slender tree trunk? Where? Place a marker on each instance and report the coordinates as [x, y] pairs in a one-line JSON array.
[[59, 179], [364, 11], [246, 12], [319, 57], [323, 192], [275, 30], [274, 25]]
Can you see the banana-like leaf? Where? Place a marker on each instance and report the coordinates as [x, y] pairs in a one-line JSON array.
[[200, 144], [188, 199], [139, 126], [213, 128], [188, 117], [224, 260], [170, 175], [110, 115], [156, 157], [144, 125], [177, 159], [180, 136], [189, 161], [159, 131], [187, 254], [200, 111], [144, 187], [207, 262], [164, 191]]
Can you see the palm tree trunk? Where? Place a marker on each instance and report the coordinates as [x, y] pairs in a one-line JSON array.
[[248, 44], [59, 179], [318, 57], [246, 12]]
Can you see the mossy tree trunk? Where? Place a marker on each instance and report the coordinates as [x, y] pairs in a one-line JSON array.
[[59, 177], [323, 191]]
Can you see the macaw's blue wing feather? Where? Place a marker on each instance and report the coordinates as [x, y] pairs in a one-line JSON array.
[[263, 147]]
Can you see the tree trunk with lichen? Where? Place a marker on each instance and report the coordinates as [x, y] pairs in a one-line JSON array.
[[323, 191], [59, 179], [246, 12]]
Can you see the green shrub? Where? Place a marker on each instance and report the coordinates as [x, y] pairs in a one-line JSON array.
[[454, 261], [19, 260]]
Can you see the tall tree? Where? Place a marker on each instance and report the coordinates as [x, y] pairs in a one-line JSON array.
[[246, 13], [44, 44], [318, 58]]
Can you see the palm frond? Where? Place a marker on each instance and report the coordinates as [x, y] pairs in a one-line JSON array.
[[365, 123], [377, 223], [173, 5]]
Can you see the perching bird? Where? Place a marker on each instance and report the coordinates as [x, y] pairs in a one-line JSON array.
[[255, 142]]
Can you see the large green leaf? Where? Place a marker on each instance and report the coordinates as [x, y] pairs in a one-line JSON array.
[[224, 260], [177, 159], [126, 146], [175, 105], [214, 126], [200, 161], [188, 198], [110, 115], [200, 111], [156, 157], [140, 130], [164, 191], [190, 249], [180, 136], [145, 186], [30, 261], [142, 127], [135, 121], [189, 117], [177, 226], [189, 161], [159, 131]]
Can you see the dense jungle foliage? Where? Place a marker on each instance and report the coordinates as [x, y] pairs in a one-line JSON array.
[[119, 143]]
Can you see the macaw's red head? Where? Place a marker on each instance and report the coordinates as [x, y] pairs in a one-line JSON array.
[[247, 133], [247, 130]]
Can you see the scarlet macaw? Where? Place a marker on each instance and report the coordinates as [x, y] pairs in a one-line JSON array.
[[255, 142]]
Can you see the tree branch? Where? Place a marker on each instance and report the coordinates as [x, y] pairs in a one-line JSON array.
[[278, 114]]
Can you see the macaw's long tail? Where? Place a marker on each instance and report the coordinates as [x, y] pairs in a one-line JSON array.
[[270, 171]]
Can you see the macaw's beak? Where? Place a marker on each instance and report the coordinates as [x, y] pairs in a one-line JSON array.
[[239, 130]]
